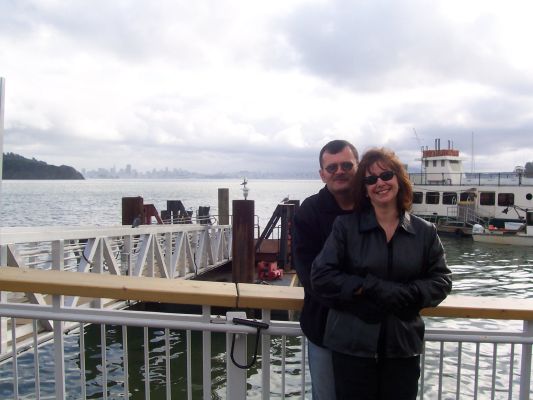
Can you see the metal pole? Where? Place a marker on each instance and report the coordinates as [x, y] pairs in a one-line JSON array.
[[3, 299], [58, 251], [236, 386], [2, 93], [525, 369], [3, 249]]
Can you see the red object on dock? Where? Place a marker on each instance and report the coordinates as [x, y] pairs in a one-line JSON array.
[[268, 271]]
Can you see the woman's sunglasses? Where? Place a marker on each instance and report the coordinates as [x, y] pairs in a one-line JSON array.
[[345, 166], [372, 179]]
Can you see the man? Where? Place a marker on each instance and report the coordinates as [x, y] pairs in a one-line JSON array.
[[312, 225]]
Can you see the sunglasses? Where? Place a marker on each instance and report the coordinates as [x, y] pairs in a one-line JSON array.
[[372, 179], [345, 166]]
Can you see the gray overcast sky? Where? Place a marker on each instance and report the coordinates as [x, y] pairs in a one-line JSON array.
[[221, 85]]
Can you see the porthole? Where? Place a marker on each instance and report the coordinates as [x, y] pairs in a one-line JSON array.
[[529, 196]]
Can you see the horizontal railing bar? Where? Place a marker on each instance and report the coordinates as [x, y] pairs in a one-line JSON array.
[[179, 291], [476, 332], [137, 318], [468, 338], [11, 235]]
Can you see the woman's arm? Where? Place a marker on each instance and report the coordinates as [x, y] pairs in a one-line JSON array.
[[328, 277]]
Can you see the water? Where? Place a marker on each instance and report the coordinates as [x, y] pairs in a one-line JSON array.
[[98, 202], [478, 270]]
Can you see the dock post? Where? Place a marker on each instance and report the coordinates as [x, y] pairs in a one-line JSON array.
[[132, 207], [223, 206], [285, 251], [243, 263]]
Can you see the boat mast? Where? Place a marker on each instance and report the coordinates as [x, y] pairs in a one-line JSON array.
[[421, 155]]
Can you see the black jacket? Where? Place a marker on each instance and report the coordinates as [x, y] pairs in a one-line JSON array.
[[397, 278], [311, 227]]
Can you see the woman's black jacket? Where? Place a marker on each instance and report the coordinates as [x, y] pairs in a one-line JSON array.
[[397, 279]]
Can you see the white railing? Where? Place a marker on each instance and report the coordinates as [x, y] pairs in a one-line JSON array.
[[166, 251], [459, 362]]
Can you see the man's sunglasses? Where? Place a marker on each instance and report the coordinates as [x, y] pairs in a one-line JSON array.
[[372, 179], [345, 166]]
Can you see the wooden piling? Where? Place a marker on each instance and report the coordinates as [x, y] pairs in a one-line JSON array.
[[132, 207], [223, 206], [243, 251]]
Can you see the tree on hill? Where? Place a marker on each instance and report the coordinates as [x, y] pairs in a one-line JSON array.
[[18, 167], [528, 170]]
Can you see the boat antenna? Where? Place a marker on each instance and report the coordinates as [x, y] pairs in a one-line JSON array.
[[421, 154], [472, 163]]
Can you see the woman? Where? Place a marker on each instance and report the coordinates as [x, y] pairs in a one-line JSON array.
[[380, 266]]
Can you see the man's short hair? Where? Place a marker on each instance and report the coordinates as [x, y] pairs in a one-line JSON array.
[[336, 146]]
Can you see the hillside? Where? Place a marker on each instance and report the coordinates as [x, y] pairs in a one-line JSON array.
[[17, 167]]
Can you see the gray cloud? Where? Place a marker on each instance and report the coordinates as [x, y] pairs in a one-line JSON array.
[[212, 86]]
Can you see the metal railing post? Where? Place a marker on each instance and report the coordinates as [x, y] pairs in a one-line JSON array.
[[265, 359], [236, 377], [525, 365], [58, 263], [3, 299], [206, 355]]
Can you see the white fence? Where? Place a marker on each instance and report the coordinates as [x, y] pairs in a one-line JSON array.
[[458, 363]]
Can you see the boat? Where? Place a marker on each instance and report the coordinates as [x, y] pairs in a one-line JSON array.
[[455, 200], [452, 226], [523, 236]]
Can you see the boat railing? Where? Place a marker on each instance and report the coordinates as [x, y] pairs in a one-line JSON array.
[[471, 179], [459, 361], [465, 213]]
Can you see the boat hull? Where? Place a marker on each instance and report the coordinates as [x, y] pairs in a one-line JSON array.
[[504, 238]]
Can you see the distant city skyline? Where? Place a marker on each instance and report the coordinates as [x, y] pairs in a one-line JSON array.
[[177, 173]]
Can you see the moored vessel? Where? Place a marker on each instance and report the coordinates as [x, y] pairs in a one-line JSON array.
[[516, 237], [443, 191]]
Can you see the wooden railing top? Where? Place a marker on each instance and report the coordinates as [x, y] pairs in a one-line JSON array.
[[177, 291], [224, 294]]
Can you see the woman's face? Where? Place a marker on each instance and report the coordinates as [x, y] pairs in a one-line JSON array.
[[381, 185]]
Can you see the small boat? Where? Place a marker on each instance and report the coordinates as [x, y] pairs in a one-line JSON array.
[[449, 226], [517, 237]]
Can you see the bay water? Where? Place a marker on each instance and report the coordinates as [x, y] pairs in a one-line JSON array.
[[478, 270]]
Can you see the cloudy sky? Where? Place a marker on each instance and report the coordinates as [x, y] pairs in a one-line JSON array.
[[225, 85]]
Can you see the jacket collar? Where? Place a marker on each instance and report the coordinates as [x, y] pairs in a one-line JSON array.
[[369, 222]]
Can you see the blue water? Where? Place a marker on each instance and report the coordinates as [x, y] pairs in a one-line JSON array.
[[478, 270]]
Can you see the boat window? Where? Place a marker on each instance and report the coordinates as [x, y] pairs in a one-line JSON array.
[[432, 197], [442, 163], [467, 196], [505, 199], [427, 163], [487, 198], [449, 198], [434, 163], [417, 197]]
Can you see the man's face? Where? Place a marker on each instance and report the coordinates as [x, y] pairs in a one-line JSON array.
[[335, 171]]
